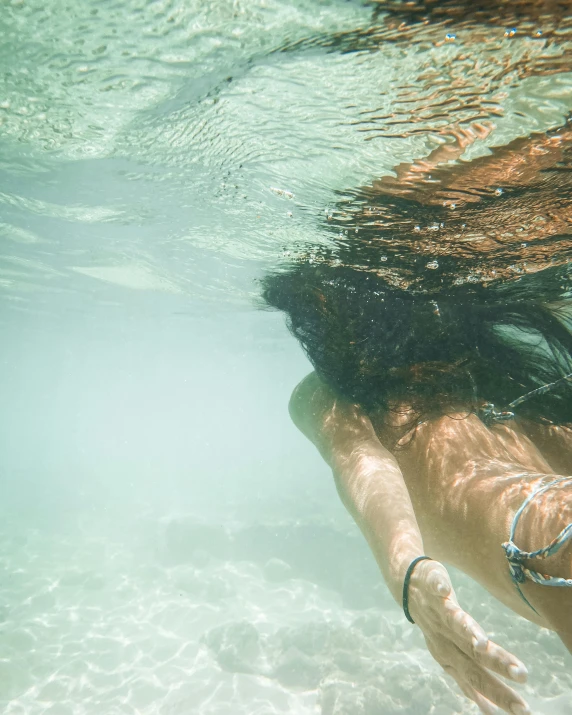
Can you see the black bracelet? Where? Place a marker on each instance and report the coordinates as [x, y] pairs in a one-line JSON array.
[[408, 573]]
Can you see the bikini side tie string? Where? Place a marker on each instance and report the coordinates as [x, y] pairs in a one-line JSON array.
[[489, 414], [516, 556]]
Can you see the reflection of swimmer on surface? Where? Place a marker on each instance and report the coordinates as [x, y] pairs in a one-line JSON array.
[[494, 217], [426, 404]]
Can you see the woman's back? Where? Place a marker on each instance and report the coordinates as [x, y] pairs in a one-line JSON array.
[[466, 481]]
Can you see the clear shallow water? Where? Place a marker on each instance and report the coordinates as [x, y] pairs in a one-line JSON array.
[[169, 543]]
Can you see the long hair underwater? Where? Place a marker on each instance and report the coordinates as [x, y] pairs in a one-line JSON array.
[[438, 310], [376, 345]]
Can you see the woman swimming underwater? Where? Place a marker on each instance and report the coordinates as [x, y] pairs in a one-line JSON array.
[[442, 395]]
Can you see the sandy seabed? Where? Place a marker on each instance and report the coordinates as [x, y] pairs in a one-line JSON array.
[[178, 616]]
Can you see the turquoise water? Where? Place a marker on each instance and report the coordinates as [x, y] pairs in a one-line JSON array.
[[169, 543]]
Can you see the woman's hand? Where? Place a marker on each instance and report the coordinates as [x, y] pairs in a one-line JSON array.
[[460, 645]]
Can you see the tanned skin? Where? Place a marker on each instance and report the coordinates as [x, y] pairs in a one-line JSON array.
[[451, 493]]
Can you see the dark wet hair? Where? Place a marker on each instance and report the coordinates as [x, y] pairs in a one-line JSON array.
[[376, 344]]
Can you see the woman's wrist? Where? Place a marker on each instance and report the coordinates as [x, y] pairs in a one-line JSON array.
[[397, 571], [405, 593]]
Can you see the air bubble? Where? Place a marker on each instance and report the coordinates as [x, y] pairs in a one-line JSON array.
[[432, 265]]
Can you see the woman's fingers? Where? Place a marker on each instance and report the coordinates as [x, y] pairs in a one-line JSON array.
[[461, 646], [485, 706], [502, 662], [495, 690], [472, 677], [473, 641], [466, 629]]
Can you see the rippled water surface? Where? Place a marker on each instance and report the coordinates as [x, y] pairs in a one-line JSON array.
[[168, 544], [185, 147]]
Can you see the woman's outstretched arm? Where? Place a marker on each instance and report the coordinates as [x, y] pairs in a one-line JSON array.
[[367, 476], [373, 490]]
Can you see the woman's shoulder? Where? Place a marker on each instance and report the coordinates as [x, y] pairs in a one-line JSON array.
[[305, 392]]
